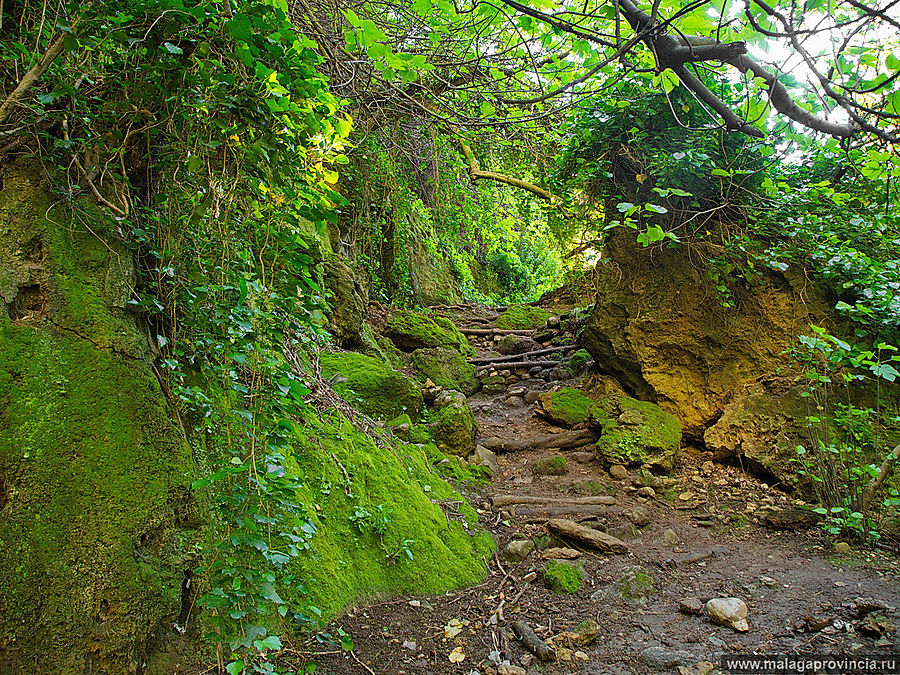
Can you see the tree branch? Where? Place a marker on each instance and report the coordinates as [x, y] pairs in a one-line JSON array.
[[32, 76]]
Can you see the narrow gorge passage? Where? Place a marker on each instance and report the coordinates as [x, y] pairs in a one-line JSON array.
[[706, 531]]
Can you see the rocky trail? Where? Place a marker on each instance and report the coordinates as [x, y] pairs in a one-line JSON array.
[[603, 570]]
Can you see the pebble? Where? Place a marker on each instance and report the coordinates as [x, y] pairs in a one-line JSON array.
[[532, 397], [511, 670], [618, 472], [730, 612], [646, 491], [517, 550], [515, 401], [692, 606], [670, 537], [640, 516], [842, 547], [665, 659], [486, 458], [560, 553]]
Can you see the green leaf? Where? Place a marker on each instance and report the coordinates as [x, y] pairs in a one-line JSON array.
[[172, 49], [271, 642], [235, 667], [669, 80]]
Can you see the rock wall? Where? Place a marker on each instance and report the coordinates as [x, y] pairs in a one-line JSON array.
[[96, 517], [660, 328]]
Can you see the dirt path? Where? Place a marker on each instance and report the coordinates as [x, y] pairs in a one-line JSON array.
[[697, 537]]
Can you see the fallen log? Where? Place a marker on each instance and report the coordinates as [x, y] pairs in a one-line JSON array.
[[573, 511], [586, 535], [514, 357], [529, 364], [494, 331], [532, 642], [568, 439], [506, 500]]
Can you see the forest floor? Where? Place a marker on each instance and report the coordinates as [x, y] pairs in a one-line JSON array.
[[698, 537]]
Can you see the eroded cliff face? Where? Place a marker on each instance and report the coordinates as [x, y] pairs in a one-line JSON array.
[[96, 518], [660, 328]]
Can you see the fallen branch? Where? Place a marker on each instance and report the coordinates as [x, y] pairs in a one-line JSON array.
[[528, 364], [586, 512], [514, 357], [494, 331], [568, 439], [586, 535], [507, 500], [532, 642]]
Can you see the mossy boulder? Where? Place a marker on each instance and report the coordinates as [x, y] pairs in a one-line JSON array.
[[522, 317], [551, 466], [453, 425], [577, 361], [641, 434], [446, 368], [347, 474], [347, 303], [660, 328], [562, 577], [97, 519], [411, 330], [371, 386], [517, 344], [568, 407]]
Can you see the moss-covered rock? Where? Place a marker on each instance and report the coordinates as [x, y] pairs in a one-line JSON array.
[[348, 476], [372, 387], [568, 407], [446, 368], [551, 466], [97, 518], [659, 327], [643, 433], [411, 330], [347, 303], [579, 360], [522, 317], [632, 432], [517, 344], [453, 425], [562, 577]]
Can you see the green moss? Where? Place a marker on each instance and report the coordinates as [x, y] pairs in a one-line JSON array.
[[93, 541], [418, 433], [453, 428], [563, 577], [455, 469], [345, 564], [371, 386], [643, 434], [410, 331], [579, 360], [635, 585], [551, 466], [522, 317], [569, 407], [446, 368]]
